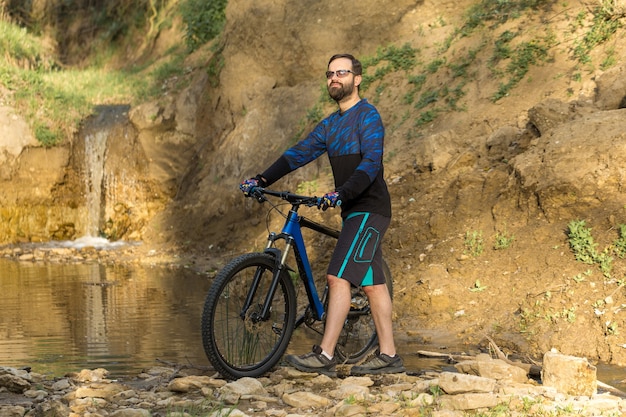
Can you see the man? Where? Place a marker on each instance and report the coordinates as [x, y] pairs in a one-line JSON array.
[[353, 138]]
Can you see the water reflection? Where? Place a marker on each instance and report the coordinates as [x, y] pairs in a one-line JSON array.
[[58, 318]]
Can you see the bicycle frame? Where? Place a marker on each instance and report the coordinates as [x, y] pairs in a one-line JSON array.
[[292, 235]]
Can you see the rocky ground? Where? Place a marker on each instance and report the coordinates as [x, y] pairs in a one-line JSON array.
[[482, 386]]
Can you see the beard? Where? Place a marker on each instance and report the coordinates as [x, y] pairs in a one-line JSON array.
[[341, 91]]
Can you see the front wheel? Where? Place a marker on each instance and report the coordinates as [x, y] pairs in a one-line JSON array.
[[237, 340], [358, 337]]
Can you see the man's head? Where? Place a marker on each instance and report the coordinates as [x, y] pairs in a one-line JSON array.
[[343, 74]]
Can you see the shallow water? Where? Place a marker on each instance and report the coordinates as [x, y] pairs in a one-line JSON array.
[[57, 318]]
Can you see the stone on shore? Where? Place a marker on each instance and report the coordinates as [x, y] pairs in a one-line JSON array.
[[568, 374]]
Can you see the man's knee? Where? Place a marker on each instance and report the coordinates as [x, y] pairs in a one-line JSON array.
[[334, 281], [375, 289]]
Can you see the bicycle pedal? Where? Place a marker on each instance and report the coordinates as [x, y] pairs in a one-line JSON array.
[[358, 303]]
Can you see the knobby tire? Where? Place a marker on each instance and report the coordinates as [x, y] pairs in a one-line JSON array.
[[237, 344]]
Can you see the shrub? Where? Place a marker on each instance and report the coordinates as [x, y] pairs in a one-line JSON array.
[[204, 20]]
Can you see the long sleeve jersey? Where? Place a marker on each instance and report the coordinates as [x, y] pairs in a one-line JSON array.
[[354, 143]]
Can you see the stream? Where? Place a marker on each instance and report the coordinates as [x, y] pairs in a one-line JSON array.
[[58, 318]]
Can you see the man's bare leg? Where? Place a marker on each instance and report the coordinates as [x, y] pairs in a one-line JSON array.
[[381, 305], [339, 297]]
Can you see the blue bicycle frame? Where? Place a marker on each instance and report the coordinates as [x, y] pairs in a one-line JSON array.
[[292, 235]]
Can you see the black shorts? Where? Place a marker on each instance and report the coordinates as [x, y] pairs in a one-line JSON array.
[[358, 257]]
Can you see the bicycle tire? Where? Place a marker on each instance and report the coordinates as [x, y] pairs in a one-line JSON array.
[[358, 337], [240, 346]]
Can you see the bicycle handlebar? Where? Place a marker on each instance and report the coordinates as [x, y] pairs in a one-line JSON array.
[[294, 199]]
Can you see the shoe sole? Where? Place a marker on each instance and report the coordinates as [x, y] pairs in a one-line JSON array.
[[379, 371]]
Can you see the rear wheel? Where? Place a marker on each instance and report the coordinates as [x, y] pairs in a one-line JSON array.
[[239, 342]]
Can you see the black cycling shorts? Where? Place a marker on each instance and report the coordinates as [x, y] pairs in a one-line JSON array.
[[358, 257]]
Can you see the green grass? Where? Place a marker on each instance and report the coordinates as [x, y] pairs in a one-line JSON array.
[[474, 243], [503, 240], [605, 21], [21, 49], [55, 100], [387, 60], [585, 249], [520, 59]]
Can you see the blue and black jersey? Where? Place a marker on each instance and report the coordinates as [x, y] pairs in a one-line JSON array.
[[354, 143]]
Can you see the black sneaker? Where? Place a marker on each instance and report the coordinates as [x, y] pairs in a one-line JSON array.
[[313, 362], [380, 364]]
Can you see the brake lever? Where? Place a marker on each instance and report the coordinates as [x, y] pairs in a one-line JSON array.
[[258, 196]]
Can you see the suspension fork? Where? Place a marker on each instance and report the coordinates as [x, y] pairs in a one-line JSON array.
[[280, 258]]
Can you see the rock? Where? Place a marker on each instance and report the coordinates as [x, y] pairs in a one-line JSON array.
[[52, 408], [130, 412], [323, 381], [445, 394], [568, 374], [90, 375], [61, 384], [358, 392], [99, 390], [350, 410], [362, 381], [453, 383], [422, 400], [470, 401], [194, 382], [611, 89], [304, 400], [435, 152], [548, 114], [496, 369], [566, 185], [14, 383], [233, 391], [12, 411]]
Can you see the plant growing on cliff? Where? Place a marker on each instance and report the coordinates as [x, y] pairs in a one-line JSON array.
[[605, 22], [503, 240], [474, 244], [523, 56], [204, 20], [585, 248], [387, 60], [620, 243]]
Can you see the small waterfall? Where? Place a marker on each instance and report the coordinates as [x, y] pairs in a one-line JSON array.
[[95, 149], [103, 157]]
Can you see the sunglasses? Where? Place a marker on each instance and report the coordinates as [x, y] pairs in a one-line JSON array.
[[340, 73]]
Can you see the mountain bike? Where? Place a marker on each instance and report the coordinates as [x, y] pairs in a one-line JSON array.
[[251, 310]]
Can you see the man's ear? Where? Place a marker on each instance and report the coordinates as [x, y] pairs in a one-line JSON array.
[[357, 80]]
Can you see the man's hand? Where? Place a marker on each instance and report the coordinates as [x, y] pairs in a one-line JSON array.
[[247, 186], [329, 200]]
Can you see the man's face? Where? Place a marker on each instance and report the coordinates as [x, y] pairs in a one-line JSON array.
[[340, 87]]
